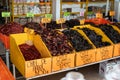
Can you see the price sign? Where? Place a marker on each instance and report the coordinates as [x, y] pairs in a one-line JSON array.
[[29, 31], [61, 20], [5, 14], [66, 13], [46, 20], [48, 15], [99, 15], [112, 13], [89, 13], [82, 21], [30, 15], [81, 13]]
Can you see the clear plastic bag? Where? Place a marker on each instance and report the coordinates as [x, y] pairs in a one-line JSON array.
[[73, 76]]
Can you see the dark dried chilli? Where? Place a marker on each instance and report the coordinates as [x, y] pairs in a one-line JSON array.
[[117, 24], [113, 34], [29, 52], [77, 40], [11, 28], [95, 38], [33, 25]]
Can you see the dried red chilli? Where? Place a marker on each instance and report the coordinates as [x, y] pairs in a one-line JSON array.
[[29, 52], [11, 28]]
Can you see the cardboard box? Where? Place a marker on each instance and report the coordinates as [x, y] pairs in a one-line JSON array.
[[86, 56], [116, 50], [103, 52], [58, 62], [116, 46], [5, 74], [28, 68]]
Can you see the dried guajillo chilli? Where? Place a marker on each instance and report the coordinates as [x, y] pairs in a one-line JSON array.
[[55, 42], [29, 52], [11, 28]]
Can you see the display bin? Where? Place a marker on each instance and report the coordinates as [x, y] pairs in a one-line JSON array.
[[58, 62], [5, 40], [86, 56], [5, 74], [28, 68], [116, 46], [103, 52]]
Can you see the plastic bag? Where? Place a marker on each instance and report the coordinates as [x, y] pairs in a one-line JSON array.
[[73, 76]]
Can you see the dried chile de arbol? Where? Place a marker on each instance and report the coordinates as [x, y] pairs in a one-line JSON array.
[[29, 52]]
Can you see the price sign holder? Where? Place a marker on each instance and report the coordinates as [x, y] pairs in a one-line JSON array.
[[30, 15], [6, 15], [45, 21], [112, 14], [61, 21]]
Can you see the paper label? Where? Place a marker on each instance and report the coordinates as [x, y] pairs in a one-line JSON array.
[[30, 15], [46, 20], [48, 15], [5, 14], [112, 13], [82, 21], [99, 15], [66, 13], [81, 13], [29, 31], [61, 20]]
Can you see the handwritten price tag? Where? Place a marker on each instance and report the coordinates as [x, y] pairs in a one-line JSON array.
[[99, 15], [48, 15], [82, 21], [30, 15], [82, 13], [60, 21], [5, 14], [112, 13], [29, 31], [46, 20], [66, 13]]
